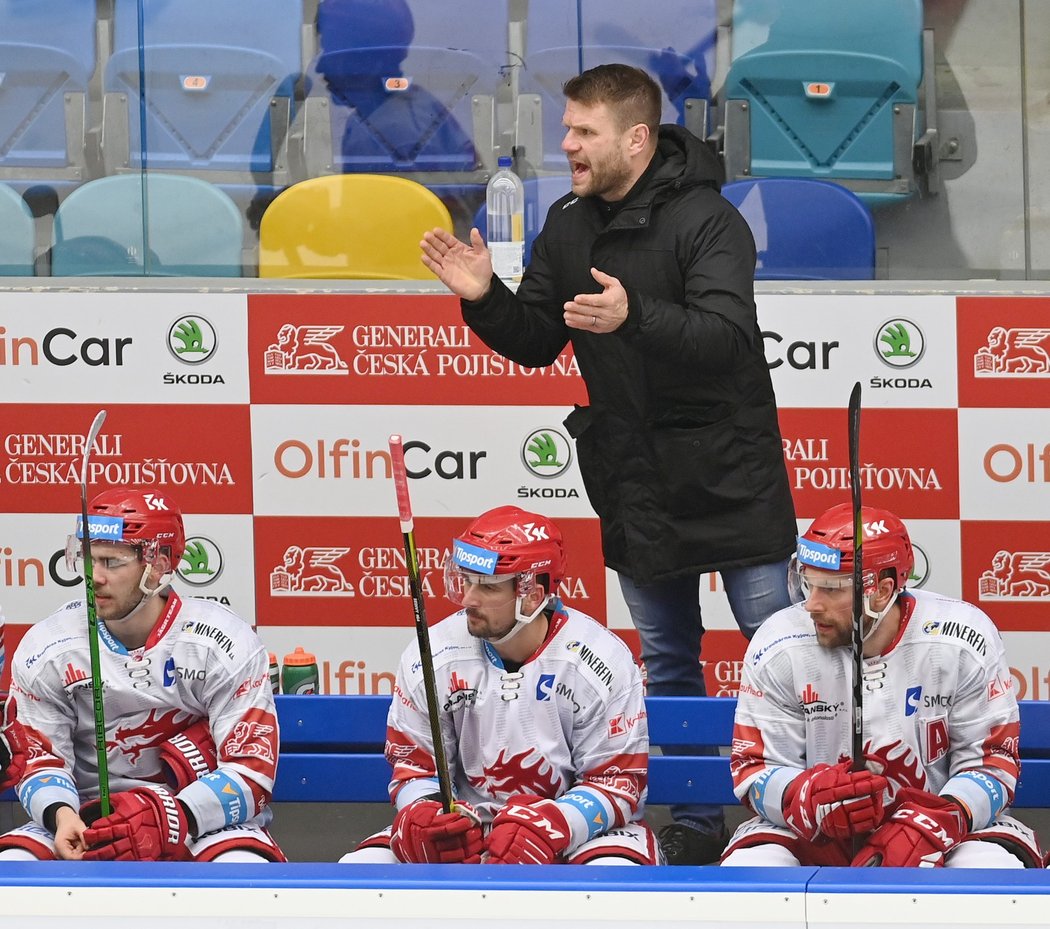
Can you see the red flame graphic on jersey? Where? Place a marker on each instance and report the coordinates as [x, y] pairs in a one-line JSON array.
[[898, 763], [40, 753], [508, 776], [150, 732]]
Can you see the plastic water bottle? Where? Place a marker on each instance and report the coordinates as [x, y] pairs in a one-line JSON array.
[[505, 215], [299, 674], [275, 674]]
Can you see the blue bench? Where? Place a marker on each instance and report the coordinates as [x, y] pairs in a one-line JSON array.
[[331, 750]]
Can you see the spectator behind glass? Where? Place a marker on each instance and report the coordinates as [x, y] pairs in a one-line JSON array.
[[392, 123]]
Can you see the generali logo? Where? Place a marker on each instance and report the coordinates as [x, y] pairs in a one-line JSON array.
[[311, 571], [1020, 352], [1023, 576], [304, 350]]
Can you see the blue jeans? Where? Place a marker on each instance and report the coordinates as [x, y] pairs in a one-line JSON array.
[[667, 617]]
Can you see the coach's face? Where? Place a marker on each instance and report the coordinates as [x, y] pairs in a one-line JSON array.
[[600, 152]]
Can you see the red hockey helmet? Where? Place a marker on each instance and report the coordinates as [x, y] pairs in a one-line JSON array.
[[506, 541], [828, 544], [151, 521]]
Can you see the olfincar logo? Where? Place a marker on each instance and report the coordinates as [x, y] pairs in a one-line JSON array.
[[192, 339], [899, 343]]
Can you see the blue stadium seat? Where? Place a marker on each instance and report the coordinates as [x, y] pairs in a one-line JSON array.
[[806, 229], [219, 89], [193, 229], [16, 234], [833, 95], [47, 57], [673, 40], [540, 193]]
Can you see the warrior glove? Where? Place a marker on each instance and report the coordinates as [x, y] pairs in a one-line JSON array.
[[147, 824], [188, 755]]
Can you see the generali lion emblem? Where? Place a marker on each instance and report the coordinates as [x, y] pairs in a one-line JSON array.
[[311, 570], [1016, 576], [1014, 353], [304, 350]]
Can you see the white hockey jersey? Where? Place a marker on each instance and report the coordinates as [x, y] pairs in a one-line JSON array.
[[570, 725], [939, 708], [201, 662]]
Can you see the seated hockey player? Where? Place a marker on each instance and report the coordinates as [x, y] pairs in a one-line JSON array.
[[12, 735], [186, 695], [940, 721], [541, 712]]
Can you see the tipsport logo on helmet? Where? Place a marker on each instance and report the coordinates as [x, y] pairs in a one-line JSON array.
[[819, 555], [104, 528], [474, 558]]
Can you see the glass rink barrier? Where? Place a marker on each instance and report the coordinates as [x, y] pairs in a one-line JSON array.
[[254, 137]]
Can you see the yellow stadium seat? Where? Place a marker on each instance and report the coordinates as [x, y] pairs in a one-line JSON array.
[[359, 226]]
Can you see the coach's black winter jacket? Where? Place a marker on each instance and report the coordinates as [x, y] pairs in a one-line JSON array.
[[680, 448]]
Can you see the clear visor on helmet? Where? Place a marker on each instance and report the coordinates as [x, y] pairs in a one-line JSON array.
[[496, 587], [113, 562], [803, 578]]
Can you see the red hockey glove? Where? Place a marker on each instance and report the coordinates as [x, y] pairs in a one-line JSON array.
[[528, 830], [919, 833], [147, 824], [187, 756], [13, 747], [424, 834], [833, 801]]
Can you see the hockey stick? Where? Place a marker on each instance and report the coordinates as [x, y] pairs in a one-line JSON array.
[[92, 618], [404, 508], [858, 580]]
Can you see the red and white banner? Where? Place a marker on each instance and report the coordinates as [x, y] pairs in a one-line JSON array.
[[266, 416]]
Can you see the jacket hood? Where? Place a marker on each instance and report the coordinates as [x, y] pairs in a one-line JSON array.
[[687, 159]]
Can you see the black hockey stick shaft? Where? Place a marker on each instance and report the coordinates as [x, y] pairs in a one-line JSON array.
[[858, 579], [92, 620], [426, 657]]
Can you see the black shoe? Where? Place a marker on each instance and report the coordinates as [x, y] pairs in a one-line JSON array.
[[682, 845]]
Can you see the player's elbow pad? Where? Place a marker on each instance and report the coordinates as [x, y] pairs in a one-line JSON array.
[[188, 755]]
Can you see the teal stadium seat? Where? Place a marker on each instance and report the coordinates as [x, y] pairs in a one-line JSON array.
[[834, 92], [805, 229], [219, 84], [16, 234], [673, 40], [192, 229], [47, 56]]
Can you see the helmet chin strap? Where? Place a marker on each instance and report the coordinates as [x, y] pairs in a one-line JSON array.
[[877, 617], [521, 620]]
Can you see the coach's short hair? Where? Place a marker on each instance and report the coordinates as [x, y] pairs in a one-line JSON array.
[[632, 94]]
